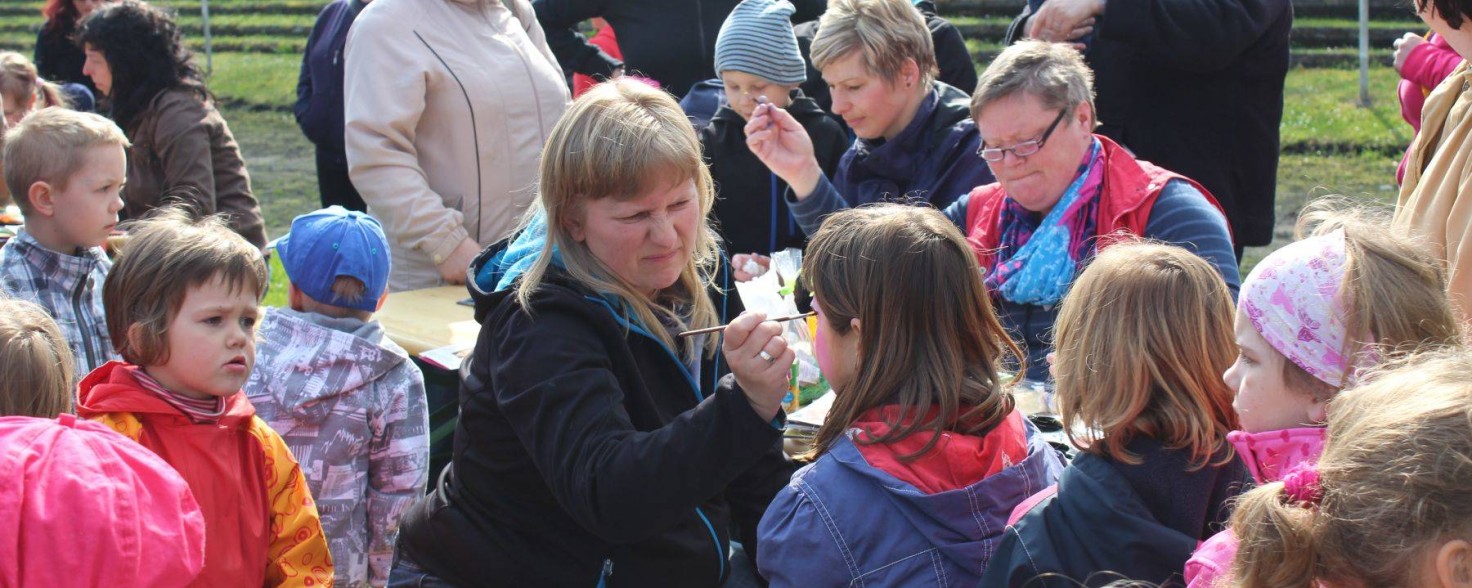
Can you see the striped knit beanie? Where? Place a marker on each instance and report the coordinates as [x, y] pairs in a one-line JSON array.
[[757, 39]]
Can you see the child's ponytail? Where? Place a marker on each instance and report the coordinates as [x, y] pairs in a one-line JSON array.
[[50, 95], [1277, 546]]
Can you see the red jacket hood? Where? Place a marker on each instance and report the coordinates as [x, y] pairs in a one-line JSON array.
[[956, 461], [112, 388]]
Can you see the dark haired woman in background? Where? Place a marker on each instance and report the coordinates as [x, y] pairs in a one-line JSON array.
[[181, 145], [57, 56]]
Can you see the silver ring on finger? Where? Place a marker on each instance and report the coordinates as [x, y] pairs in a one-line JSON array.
[[766, 356]]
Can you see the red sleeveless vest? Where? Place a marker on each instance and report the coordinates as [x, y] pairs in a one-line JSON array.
[[1126, 199]]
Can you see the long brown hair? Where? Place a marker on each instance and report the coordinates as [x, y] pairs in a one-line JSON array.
[[616, 141], [928, 337], [1141, 342], [1393, 481]]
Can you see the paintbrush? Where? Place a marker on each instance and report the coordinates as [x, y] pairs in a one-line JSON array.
[[780, 319]]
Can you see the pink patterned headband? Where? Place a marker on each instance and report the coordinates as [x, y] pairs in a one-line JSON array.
[[1292, 299]]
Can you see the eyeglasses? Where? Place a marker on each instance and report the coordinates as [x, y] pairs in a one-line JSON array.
[[1023, 149]]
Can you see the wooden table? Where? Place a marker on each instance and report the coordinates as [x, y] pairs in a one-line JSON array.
[[421, 320]]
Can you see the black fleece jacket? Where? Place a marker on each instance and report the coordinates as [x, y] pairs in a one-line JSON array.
[[750, 211], [586, 451]]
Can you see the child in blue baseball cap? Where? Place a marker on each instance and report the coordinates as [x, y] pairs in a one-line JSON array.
[[349, 402]]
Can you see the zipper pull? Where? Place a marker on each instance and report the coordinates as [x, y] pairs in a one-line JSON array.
[[607, 567]]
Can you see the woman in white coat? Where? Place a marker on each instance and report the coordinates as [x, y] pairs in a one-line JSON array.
[[448, 104]]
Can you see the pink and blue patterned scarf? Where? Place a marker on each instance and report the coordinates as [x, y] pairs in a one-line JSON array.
[[1037, 259]]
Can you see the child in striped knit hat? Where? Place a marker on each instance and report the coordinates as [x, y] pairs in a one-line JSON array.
[[757, 59]]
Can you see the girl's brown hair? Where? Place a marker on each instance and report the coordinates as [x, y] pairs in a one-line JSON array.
[[1394, 290], [619, 140], [928, 337], [1393, 480], [1141, 342], [35, 363], [20, 82], [168, 253]]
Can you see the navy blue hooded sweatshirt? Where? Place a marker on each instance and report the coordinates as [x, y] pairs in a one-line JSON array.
[[1111, 520], [319, 106]]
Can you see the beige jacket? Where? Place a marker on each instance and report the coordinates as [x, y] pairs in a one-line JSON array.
[[1435, 203], [448, 105]]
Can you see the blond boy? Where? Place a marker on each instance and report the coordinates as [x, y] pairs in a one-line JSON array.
[[65, 171]]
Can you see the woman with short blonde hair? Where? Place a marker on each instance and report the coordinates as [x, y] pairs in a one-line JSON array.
[[916, 139], [886, 34]]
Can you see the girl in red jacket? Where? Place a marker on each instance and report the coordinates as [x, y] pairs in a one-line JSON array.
[[182, 303]]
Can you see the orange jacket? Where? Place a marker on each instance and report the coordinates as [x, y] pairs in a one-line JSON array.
[[261, 525]]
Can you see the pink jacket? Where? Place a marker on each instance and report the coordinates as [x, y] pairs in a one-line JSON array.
[[1426, 66], [1267, 455], [84, 506]]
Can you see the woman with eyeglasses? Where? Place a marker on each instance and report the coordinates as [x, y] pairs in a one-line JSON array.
[[1062, 192]]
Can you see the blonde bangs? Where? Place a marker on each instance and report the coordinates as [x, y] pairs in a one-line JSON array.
[[623, 139], [885, 32]]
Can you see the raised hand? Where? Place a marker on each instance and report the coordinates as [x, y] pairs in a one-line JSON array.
[[780, 142]]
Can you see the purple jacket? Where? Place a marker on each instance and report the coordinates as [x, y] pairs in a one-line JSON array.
[[842, 522]]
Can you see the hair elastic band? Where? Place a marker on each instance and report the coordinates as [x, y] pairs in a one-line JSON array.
[[1302, 485]]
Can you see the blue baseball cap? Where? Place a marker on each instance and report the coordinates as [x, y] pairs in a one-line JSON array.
[[334, 242]]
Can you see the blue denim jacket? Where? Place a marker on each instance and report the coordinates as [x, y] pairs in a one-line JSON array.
[[844, 522]]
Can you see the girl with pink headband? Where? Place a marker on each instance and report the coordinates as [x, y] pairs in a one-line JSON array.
[[1386, 505], [1310, 316]]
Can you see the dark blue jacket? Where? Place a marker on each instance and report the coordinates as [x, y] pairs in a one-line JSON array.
[[933, 160], [318, 107], [1111, 520], [844, 522]]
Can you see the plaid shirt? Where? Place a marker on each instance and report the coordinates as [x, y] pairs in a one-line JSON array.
[[67, 286]]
